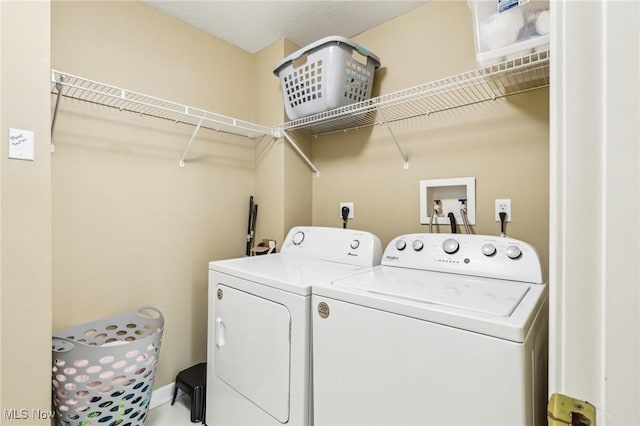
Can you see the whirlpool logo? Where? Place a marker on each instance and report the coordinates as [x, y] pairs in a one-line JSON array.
[[352, 254], [391, 257]]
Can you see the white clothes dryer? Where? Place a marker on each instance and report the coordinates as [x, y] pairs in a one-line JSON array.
[[450, 329], [259, 335]]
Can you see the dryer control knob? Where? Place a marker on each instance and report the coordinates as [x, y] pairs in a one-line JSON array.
[[298, 238], [450, 246], [417, 245], [488, 249], [355, 244], [401, 245], [513, 252]]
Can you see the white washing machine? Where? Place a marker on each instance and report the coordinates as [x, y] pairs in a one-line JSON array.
[[450, 329], [259, 336]]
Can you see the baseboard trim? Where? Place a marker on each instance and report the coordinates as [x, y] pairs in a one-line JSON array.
[[161, 395]]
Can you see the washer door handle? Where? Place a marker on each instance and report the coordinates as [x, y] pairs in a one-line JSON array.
[[220, 332]]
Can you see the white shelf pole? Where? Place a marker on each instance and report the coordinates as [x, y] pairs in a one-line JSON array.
[[405, 160], [300, 153], [55, 113], [193, 136]]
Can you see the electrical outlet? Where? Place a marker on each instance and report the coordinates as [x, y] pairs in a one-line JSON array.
[[503, 205], [351, 212]]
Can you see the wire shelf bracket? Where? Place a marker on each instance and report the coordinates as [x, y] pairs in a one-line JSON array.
[[405, 160], [79, 88], [193, 136], [58, 86], [279, 133]]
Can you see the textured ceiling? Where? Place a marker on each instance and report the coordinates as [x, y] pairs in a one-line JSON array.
[[253, 25]]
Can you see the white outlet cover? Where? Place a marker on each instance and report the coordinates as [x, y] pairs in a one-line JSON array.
[[351, 210], [506, 202]]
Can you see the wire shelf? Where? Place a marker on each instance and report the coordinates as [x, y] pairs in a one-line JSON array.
[[74, 87], [506, 78], [519, 75]]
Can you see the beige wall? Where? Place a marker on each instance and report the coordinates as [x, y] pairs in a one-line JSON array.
[[283, 181], [25, 214], [269, 155], [130, 227], [504, 144], [298, 179]]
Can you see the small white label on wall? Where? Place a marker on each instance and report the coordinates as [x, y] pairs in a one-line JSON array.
[[21, 144]]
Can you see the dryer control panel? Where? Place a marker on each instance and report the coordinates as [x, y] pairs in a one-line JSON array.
[[477, 255], [341, 245]]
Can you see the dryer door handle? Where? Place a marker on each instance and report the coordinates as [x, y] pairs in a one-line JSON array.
[[220, 332]]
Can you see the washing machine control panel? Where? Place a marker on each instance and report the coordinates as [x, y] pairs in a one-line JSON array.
[[348, 246], [477, 255]]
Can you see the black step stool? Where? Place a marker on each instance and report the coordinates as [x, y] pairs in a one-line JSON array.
[[193, 381]]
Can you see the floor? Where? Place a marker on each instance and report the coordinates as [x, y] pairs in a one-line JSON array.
[[178, 414]]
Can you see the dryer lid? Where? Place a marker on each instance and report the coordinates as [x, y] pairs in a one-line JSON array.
[[487, 296], [291, 273]]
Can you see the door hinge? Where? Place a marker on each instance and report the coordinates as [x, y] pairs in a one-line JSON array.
[[563, 410]]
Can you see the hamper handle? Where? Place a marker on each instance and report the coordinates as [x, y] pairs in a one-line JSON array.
[[360, 49], [59, 344], [327, 40], [142, 309]]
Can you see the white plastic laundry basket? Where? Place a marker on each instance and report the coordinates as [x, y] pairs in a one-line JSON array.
[[103, 371], [327, 74]]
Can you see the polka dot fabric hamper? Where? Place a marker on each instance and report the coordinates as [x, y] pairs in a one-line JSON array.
[[103, 371]]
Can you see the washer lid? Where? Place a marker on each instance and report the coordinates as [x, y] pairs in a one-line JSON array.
[[498, 308], [488, 296]]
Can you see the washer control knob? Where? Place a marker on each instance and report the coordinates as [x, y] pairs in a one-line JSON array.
[[355, 244], [488, 249], [513, 252], [450, 246], [417, 245], [401, 245], [298, 238]]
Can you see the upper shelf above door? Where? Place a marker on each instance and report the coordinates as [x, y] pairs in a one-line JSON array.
[[506, 78], [71, 86]]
